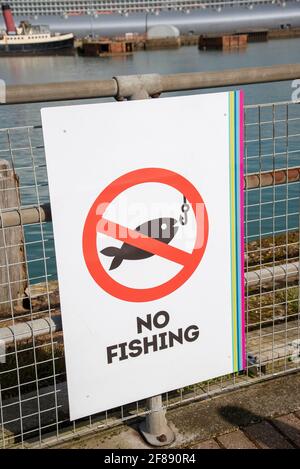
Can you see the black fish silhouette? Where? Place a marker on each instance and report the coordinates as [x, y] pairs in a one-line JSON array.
[[163, 229]]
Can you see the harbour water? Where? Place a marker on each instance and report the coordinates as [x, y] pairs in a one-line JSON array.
[[21, 70]]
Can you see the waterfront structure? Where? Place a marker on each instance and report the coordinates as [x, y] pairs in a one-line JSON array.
[[28, 39], [90, 7], [231, 19]]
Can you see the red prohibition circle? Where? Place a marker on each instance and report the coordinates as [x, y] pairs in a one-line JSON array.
[[89, 241]]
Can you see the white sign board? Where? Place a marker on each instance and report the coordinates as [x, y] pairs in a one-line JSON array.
[[147, 209]]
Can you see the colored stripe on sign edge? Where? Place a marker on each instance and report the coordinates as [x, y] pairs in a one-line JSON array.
[[241, 215], [236, 157]]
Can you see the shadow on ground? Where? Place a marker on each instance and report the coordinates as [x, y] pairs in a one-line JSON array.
[[265, 432]]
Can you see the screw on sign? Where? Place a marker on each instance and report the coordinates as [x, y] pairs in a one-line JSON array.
[[137, 244]]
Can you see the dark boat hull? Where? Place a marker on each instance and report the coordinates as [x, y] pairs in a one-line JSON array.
[[65, 47]]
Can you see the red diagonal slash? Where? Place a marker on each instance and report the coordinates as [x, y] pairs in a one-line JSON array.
[[141, 241]]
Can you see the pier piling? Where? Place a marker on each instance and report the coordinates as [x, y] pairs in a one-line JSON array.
[[13, 272]]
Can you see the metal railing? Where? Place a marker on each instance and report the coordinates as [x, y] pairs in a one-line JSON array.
[[152, 84], [33, 393]]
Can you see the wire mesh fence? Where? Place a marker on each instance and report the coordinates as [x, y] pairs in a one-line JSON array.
[[33, 388]]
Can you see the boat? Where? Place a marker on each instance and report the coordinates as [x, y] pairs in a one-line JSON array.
[[28, 39], [25, 8]]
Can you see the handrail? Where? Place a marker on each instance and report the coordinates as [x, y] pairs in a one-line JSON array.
[[39, 214], [154, 84], [288, 272]]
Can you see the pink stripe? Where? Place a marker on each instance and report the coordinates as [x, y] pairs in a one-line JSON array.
[[242, 225]]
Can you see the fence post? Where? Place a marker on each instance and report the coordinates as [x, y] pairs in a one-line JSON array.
[[12, 257], [154, 428]]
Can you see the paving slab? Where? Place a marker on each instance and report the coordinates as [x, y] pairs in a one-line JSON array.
[[235, 440], [208, 444], [265, 435], [289, 425], [240, 408]]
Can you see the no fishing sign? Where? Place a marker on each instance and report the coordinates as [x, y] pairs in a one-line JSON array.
[[147, 208]]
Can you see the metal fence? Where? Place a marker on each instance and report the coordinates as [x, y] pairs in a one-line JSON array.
[[33, 393]]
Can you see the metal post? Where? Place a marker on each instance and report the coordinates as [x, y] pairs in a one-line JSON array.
[[154, 428]]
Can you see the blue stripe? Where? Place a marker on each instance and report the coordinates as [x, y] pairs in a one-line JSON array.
[[231, 215], [238, 227]]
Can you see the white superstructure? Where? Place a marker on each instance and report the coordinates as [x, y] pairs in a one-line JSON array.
[[33, 39], [73, 7]]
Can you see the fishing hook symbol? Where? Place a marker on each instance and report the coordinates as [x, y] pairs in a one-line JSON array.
[[184, 208]]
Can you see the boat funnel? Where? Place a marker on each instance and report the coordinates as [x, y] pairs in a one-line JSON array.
[[9, 19]]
